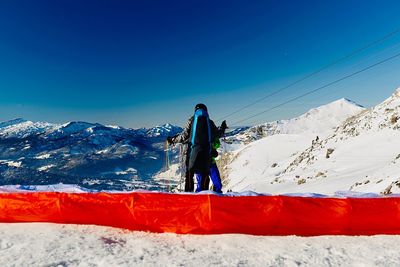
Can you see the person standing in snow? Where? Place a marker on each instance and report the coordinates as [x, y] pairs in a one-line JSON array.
[[199, 133]]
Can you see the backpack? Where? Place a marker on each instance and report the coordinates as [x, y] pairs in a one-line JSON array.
[[200, 142]]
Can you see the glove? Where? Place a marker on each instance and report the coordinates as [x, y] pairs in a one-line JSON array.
[[224, 126], [170, 140]]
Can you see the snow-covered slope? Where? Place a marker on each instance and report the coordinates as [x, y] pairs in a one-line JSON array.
[[41, 244], [263, 160], [361, 154]]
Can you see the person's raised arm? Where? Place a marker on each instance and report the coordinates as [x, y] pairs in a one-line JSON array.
[[183, 137], [218, 132]]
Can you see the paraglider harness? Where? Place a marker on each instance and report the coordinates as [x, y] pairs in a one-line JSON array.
[[200, 145]]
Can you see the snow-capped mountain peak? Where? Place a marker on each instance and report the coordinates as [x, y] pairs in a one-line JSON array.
[[164, 130], [20, 128], [338, 108], [318, 121], [346, 101], [11, 122], [74, 127]]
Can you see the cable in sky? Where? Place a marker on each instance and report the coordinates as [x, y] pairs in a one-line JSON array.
[[355, 52], [320, 88]]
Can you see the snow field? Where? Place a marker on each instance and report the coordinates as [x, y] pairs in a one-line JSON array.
[[42, 244]]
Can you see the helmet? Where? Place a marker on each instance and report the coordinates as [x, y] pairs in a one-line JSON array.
[[200, 106]]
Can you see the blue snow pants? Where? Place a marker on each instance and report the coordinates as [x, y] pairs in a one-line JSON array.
[[215, 178]]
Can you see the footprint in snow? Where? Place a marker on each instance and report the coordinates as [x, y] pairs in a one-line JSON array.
[[113, 242], [4, 245]]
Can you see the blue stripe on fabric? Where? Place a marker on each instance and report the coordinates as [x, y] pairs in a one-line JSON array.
[[209, 132], [194, 128]]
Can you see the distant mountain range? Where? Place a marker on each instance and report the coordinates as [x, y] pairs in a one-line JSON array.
[[88, 154], [338, 146]]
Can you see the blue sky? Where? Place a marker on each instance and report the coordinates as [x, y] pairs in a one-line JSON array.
[[143, 63]]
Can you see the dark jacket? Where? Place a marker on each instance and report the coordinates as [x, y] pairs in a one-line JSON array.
[[199, 159]]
